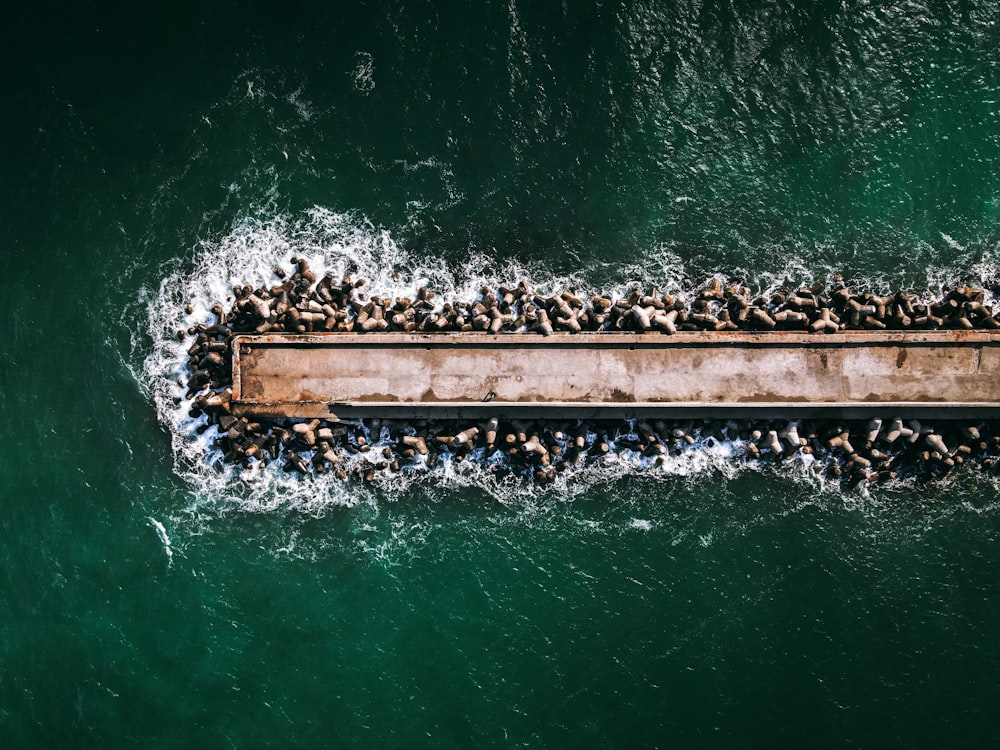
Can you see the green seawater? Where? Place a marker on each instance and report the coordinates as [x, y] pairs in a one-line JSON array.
[[148, 600]]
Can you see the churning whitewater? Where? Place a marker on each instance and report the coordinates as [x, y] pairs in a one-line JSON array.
[[336, 245]]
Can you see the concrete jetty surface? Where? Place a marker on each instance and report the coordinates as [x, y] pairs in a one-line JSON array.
[[943, 374]]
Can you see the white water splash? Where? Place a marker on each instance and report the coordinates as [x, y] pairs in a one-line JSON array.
[[347, 244], [363, 73], [161, 532]]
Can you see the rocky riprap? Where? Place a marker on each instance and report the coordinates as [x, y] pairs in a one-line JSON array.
[[301, 303]]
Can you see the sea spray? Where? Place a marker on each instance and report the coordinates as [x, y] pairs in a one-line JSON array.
[[343, 245], [161, 532]]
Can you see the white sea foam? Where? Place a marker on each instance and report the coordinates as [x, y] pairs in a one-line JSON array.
[[344, 243], [363, 72], [161, 532]]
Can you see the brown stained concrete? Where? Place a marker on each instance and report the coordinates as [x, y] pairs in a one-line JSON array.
[[600, 375]]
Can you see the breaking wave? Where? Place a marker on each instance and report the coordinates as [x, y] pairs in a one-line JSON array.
[[343, 243]]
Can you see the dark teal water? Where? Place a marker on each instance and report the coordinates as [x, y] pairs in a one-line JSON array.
[[146, 599]]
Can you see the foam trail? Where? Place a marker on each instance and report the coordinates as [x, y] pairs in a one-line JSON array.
[[164, 539]]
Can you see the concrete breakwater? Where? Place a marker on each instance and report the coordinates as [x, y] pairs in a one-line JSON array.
[[613, 375], [307, 443]]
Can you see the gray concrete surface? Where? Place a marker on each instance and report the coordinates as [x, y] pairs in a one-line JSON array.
[[926, 373]]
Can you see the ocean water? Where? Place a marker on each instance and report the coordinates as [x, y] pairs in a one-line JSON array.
[[154, 156]]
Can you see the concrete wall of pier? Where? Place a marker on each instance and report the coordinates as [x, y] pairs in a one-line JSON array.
[[951, 373]]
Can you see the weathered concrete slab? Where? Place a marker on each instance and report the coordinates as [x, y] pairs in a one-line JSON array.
[[929, 373]]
